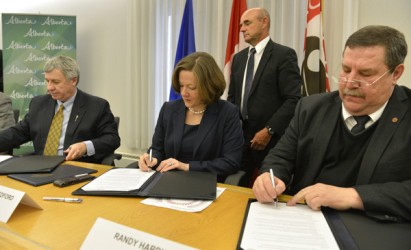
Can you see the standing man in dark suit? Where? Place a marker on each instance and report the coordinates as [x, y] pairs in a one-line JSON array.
[[351, 148], [88, 129], [268, 106]]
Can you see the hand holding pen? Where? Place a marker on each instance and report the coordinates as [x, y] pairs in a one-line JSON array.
[[273, 183], [267, 186], [150, 159], [147, 161]]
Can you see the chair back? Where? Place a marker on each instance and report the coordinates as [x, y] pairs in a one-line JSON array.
[[16, 115], [109, 159], [117, 120]]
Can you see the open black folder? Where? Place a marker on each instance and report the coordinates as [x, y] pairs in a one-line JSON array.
[[171, 184], [62, 171], [30, 164]]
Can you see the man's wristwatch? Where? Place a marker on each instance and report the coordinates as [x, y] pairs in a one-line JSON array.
[[270, 130]]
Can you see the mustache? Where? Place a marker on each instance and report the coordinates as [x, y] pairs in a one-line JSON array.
[[353, 92]]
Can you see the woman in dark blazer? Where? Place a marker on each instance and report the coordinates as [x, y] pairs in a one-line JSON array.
[[199, 132]]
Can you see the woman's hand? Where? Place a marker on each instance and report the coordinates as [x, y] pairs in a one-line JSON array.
[[172, 163], [144, 162]]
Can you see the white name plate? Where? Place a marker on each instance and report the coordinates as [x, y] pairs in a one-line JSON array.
[[109, 235], [9, 199]]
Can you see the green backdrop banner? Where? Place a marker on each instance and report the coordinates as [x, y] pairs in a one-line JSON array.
[[28, 42]]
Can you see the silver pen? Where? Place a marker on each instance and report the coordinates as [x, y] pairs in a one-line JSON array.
[[150, 158], [72, 200], [273, 183], [80, 175]]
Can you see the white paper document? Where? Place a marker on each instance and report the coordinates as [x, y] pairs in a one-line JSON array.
[[119, 179], [180, 204], [286, 227], [5, 157]]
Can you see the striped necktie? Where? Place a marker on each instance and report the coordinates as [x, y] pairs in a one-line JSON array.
[[53, 137]]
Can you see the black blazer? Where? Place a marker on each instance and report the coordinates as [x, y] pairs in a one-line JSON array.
[[90, 119], [275, 91], [384, 177], [6, 112], [218, 148]]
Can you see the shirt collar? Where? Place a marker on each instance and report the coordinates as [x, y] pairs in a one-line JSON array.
[[259, 48], [69, 103], [374, 116]]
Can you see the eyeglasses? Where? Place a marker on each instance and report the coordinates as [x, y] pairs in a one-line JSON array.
[[359, 83]]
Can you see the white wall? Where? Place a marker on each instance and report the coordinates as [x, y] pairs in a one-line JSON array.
[[395, 13], [102, 38]]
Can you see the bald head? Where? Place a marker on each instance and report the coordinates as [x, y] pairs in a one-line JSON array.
[[255, 25]]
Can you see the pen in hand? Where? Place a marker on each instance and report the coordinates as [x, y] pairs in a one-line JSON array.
[[150, 159], [273, 183]]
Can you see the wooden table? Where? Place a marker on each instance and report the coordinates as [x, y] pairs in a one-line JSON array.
[[63, 225]]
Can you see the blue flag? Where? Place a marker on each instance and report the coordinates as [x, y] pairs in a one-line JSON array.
[[186, 41]]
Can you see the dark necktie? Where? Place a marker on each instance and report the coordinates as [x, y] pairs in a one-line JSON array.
[[248, 82], [53, 137], [361, 121]]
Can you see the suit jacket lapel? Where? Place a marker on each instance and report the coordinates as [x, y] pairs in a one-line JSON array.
[[209, 118], [178, 120], [386, 127], [264, 60], [321, 142], [77, 113], [242, 59]]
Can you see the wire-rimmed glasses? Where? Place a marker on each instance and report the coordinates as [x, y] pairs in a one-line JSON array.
[[359, 83]]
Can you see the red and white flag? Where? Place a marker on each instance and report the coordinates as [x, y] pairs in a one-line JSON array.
[[235, 40], [314, 70]]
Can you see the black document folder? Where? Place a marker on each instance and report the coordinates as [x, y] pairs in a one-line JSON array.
[[30, 164], [354, 230], [62, 171], [171, 184]]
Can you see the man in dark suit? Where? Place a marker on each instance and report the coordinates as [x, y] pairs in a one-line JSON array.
[[88, 130], [273, 94], [6, 112], [330, 156], [1, 71]]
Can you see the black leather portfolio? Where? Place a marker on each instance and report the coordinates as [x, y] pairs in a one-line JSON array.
[[30, 164], [171, 184], [354, 230], [62, 171]]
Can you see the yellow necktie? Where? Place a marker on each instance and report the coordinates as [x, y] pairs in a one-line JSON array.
[[53, 137]]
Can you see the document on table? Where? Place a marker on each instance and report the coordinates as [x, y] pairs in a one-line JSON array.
[[119, 179], [5, 157], [182, 204], [286, 227]]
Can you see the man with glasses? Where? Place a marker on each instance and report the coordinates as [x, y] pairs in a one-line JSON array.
[[351, 148]]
